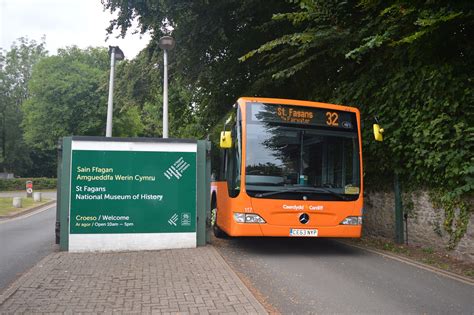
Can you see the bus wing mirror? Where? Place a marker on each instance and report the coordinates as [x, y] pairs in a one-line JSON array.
[[378, 132], [226, 140]]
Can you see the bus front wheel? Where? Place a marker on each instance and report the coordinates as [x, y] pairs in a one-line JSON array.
[[215, 228]]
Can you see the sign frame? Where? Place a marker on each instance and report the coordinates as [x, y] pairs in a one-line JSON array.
[[133, 241]]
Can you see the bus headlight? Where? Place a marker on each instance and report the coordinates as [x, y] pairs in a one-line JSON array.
[[239, 217], [248, 218], [253, 218], [352, 221]]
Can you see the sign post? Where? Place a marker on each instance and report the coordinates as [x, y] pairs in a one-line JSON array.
[[29, 189]]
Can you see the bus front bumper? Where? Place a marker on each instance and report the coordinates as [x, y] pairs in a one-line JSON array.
[[245, 229]]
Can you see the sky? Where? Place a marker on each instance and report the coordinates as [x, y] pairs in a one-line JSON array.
[[64, 23]]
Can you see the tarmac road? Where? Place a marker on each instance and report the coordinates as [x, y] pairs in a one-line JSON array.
[[299, 276], [23, 242]]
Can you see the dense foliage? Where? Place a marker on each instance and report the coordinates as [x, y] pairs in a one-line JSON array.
[[409, 63], [67, 97], [211, 36], [16, 65]]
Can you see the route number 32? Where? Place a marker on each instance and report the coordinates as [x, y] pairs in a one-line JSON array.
[[332, 119]]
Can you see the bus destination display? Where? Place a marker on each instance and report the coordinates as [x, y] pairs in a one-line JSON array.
[[321, 117]]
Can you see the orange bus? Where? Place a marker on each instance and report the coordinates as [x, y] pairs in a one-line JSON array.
[[289, 168]]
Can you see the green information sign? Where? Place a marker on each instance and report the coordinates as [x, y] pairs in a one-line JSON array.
[[132, 192]]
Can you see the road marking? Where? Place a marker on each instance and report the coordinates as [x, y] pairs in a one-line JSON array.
[[43, 208], [414, 263]]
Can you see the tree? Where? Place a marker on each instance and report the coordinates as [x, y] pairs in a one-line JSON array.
[[15, 72], [68, 97], [211, 36], [139, 86], [408, 62]]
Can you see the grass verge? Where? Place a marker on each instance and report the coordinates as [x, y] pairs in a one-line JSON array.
[[441, 259], [6, 205]]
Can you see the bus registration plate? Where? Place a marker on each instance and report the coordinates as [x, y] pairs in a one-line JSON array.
[[304, 232]]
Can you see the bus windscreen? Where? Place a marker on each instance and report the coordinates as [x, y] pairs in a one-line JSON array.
[[292, 150]]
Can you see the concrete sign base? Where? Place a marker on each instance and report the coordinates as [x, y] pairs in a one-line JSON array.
[[127, 242]]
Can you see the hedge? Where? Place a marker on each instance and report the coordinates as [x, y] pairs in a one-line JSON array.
[[20, 183]]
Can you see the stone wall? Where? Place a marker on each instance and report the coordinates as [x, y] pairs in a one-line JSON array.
[[425, 222]]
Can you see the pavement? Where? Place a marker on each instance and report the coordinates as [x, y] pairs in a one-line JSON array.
[[185, 281]]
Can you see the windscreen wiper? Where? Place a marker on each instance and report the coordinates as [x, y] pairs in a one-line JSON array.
[[276, 192], [302, 190], [341, 196], [264, 184]]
